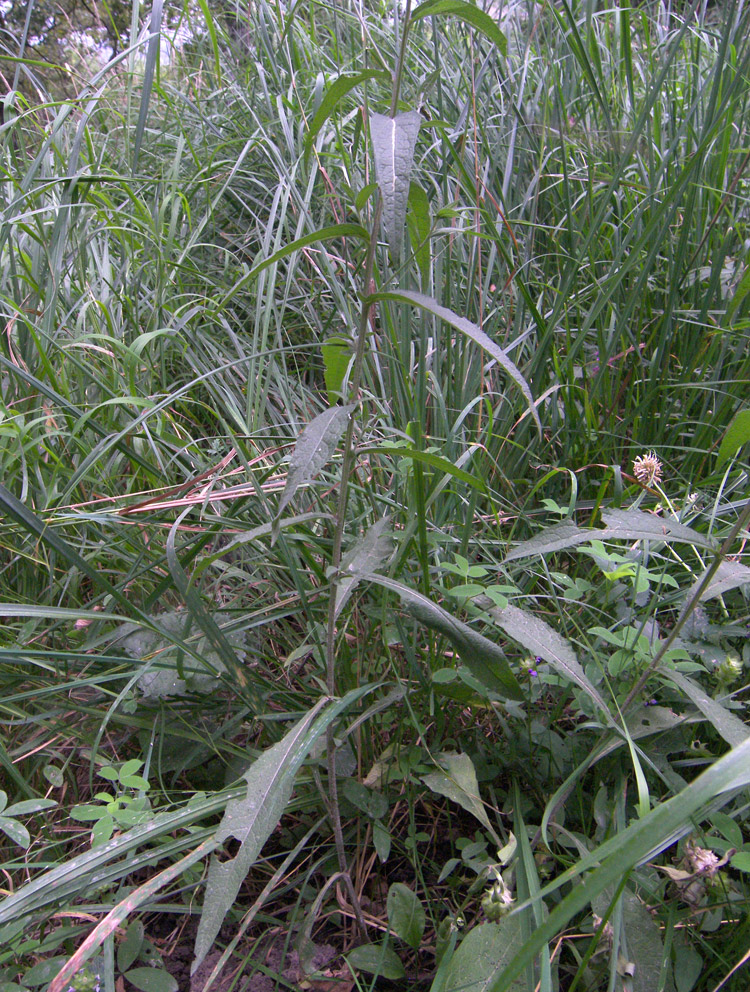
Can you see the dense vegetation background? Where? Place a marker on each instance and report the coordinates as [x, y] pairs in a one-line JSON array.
[[373, 503]]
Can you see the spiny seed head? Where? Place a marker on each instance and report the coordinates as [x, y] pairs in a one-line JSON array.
[[729, 669], [647, 468], [497, 900]]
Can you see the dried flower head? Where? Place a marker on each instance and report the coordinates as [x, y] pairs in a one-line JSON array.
[[647, 469], [701, 860], [608, 933]]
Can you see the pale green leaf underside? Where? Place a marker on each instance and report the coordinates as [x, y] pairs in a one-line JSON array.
[[621, 525], [726, 723], [313, 450], [393, 142], [251, 817], [250, 820], [728, 575], [367, 555], [457, 781], [541, 640]]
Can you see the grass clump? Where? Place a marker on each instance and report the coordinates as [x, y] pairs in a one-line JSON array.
[[373, 522]]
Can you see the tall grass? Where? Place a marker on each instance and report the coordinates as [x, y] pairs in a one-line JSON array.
[[185, 284]]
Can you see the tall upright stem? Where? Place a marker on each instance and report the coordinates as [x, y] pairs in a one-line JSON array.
[[347, 466]]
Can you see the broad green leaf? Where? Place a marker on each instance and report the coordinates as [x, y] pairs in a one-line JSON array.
[[152, 980], [741, 861], [43, 972], [727, 725], [729, 828], [418, 218], [740, 293], [393, 142], [541, 640], [640, 842], [377, 959], [484, 950], [472, 331], [28, 806], [457, 781], [130, 947], [251, 818], [688, 964], [406, 914], [337, 356], [643, 943], [367, 555], [333, 96], [484, 659], [381, 838], [467, 12], [737, 435], [313, 450], [16, 831], [130, 767]]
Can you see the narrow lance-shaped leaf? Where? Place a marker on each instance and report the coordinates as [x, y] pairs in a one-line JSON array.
[[313, 450], [726, 723], [537, 637], [728, 575], [419, 228], [467, 12], [251, 818], [393, 142], [333, 96], [484, 659], [621, 525], [472, 331]]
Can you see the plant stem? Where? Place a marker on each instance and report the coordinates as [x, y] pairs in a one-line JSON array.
[[401, 56], [347, 466]]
